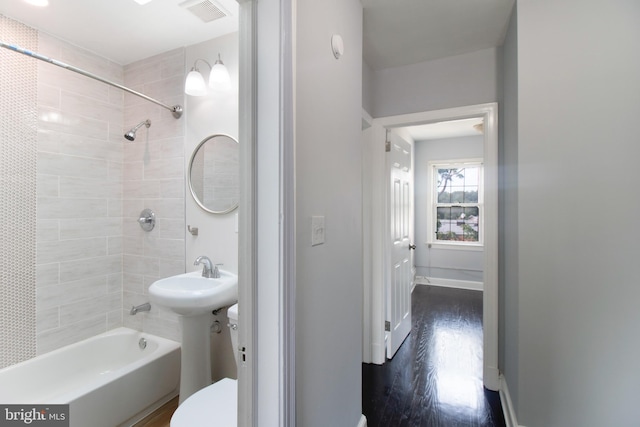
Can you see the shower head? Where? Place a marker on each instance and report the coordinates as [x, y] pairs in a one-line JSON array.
[[131, 135]]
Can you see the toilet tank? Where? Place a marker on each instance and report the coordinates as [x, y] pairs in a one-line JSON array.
[[232, 314]]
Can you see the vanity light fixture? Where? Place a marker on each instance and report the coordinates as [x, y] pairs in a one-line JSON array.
[[218, 78], [142, 2]]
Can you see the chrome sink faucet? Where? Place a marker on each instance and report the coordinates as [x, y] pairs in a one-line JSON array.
[[208, 269]]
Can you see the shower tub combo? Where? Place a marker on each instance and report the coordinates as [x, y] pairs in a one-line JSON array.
[[112, 379]]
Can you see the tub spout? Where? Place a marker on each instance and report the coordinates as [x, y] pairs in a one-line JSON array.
[[142, 307]]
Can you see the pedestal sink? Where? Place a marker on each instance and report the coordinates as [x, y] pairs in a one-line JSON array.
[[193, 297]]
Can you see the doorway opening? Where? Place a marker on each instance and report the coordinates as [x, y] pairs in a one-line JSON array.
[[376, 226]]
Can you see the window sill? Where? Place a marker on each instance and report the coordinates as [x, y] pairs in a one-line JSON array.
[[456, 246]]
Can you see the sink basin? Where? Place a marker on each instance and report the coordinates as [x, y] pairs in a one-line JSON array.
[[193, 297], [191, 294]]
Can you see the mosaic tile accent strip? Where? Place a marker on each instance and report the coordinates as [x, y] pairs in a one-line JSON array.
[[18, 139]]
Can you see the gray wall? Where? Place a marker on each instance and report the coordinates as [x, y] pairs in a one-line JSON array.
[[328, 183], [440, 261], [367, 82], [508, 211], [578, 319], [443, 83]]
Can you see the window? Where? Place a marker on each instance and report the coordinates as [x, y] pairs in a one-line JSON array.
[[457, 202]]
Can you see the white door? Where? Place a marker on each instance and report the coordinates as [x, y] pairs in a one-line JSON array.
[[400, 205]]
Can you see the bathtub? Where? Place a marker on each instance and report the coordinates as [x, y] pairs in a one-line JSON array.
[[108, 380]]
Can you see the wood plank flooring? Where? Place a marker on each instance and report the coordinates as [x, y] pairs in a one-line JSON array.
[[161, 417], [435, 378]]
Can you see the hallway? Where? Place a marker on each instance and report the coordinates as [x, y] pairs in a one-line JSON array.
[[435, 378]]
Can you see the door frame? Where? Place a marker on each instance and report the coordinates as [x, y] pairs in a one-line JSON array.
[[266, 271], [374, 311]]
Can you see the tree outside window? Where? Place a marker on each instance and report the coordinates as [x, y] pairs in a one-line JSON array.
[[458, 202]]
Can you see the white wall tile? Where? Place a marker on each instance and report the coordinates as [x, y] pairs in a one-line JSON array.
[[114, 244], [114, 319], [71, 250], [89, 267], [142, 265], [55, 208], [77, 311], [79, 228], [153, 177], [167, 168], [65, 122], [114, 282], [172, 188], [147, 189], [59, 337], [133, 283], [47, 230], [47, 185], [49, 96], [71, 166], [47, 319], [170, 228], [70, 292], [47, 274]]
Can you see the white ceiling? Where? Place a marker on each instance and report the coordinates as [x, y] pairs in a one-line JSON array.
[[122, 30], [396, 33], [448, 129], [404, 32]]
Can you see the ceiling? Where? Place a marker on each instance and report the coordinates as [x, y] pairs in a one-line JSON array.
[[396, 33], [122, 30], [447, 129], [404, 32]]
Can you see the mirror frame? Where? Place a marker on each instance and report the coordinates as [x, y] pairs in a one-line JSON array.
[[193, 156]]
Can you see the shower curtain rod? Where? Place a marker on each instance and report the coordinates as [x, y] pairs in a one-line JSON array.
[[176, 110]]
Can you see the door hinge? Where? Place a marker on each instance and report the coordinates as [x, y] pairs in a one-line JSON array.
[[387, 146], [243, 353], [387, 326]]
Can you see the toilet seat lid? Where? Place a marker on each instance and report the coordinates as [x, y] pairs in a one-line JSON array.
[[213, 406]]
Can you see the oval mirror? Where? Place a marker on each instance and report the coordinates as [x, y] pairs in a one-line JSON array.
[[214, 174]]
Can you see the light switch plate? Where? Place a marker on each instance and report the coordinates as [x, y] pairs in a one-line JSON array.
[[317, 230]]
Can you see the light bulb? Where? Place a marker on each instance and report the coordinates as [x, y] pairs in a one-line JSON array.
[[219, 78], [195, 85]]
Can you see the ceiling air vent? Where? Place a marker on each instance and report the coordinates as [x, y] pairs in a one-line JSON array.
[[206, 10]]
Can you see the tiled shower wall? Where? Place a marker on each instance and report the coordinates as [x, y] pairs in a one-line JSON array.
[[78, 271], [17, 196], [153, 178], [79, 214]]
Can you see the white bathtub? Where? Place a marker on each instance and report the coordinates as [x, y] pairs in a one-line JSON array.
[[107, 380]]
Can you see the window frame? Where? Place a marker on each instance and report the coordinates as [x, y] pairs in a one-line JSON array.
[[433, 166]]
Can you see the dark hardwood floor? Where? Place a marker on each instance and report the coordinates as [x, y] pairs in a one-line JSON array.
[[435, 378]]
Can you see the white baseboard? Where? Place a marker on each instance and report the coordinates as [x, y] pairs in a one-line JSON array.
[[449, 283], [363, 421], [507, 405]]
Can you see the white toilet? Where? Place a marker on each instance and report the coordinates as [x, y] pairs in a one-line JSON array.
[[215, 405]]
